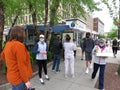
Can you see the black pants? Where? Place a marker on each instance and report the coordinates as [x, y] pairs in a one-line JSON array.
[[74, 53], [42, 64], [114, 50]]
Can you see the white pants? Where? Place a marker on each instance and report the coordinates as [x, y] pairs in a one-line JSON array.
[[69, 62]]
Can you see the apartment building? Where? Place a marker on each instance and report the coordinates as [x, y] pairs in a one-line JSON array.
[[98, 25]]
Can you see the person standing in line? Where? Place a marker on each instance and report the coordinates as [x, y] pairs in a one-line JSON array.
[[82, 49], [75, 47], [17, 57], [40, 49], [69, 56], [100, 62], [88, 46], [57, 46], [115, 46]]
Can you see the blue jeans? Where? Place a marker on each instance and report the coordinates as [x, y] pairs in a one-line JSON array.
[[101, 74], [20, 86], [56, 62]]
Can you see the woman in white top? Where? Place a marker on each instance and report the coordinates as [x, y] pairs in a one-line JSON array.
[[100, 62], [69, 55]]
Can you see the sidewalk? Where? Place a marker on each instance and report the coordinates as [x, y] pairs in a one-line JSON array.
[[58, 81], [81, 81]]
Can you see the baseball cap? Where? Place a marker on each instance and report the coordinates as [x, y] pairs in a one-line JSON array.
[[41, 36]]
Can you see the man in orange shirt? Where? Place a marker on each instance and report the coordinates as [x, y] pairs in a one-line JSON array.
[[17, 60]]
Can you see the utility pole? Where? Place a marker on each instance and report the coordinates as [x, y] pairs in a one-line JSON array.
[[119, 22]]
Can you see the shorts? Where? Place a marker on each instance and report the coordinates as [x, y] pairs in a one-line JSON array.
[[88, 56]]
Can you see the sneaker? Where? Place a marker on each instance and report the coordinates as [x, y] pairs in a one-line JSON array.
[[66, 76], [81, 58], [87, 71], [56, 72], [91, 66], [53, 70], [92, 79], [46, 77], [41, 81], [73, 76], [114, 55]]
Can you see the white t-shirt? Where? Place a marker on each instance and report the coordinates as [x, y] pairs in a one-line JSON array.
[[69, 48]]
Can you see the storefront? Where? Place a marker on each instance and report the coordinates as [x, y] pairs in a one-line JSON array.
[[78, 27]]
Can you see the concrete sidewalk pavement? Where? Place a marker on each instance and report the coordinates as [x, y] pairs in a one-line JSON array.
[[81, 81]]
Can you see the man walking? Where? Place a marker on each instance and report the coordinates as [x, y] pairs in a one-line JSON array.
[[88, 46]]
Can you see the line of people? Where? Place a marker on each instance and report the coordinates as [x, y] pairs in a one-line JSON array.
[[17, 58]]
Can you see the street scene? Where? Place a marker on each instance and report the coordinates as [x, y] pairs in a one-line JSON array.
[[81, 81], [59, 44]]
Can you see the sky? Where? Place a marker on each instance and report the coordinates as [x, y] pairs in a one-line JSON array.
[[105, 17]]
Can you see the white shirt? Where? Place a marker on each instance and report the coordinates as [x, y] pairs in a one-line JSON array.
[[100, 60], [69, 48], [41, 47]]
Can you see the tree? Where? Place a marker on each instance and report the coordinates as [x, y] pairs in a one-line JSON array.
[[32, 10], [112, 34], [39, 10], [113, 7], [13, 9], [76, 8], [1, 22], [53, 10], [46, 17]]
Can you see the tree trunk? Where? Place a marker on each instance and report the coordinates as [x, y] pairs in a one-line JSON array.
[[34, 19], [52, 18], [46, 17], [15, 20], [1, 23]]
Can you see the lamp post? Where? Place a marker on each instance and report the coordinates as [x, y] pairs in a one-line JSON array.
[[119, 22]]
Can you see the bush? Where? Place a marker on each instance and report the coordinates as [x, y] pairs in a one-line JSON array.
[[4, 67], [118, 70], [32, 58], [50, 55]]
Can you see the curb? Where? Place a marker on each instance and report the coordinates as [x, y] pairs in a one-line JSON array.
[[8, 85]]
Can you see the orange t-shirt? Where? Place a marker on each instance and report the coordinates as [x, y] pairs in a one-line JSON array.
[[17, 61]]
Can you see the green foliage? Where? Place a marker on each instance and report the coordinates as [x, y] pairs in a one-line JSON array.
[[112, 33], [32, 58], [101, 36], [78, 8], [3, 44], [4, 67], [118, 70], [49, 55], [50, 52]]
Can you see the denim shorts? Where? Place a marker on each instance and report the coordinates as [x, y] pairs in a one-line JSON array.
[[20, 86]]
